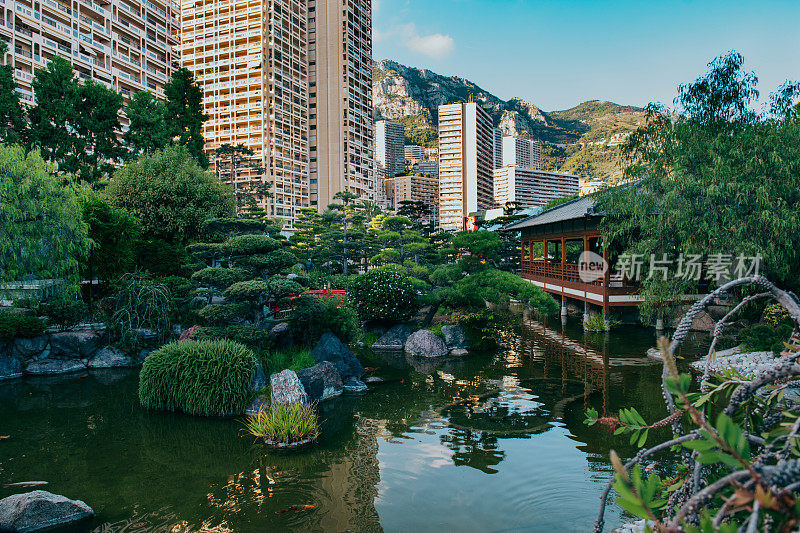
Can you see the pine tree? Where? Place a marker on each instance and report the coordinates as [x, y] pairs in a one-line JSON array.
[[147, 132], [184, 113]]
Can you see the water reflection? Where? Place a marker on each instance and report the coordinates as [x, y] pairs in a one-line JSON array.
[[496, 440]]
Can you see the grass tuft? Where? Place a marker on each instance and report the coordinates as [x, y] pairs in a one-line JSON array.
[[284, 423]]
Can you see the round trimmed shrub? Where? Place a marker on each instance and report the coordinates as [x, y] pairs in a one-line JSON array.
[[206, 378], [384, 295], [312, 317], [13, 325]]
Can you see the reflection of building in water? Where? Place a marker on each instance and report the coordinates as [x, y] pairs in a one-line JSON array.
[[574, 360]]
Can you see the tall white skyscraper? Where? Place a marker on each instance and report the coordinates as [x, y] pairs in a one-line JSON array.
[[390, 138], [523, 153], [466, 161]]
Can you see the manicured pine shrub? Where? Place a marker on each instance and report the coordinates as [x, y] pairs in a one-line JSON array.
[[312, 317], [207, 378]]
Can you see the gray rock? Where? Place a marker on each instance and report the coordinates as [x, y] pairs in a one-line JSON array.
[[394, 339], [286, 388], [330, 348], [74, 344], [258, 403], [455, 337], [40, 510], [259, 379], [27, 348], [10, 367], [321, 381], [353, 386], [424, 343], [110, 357], [459, 352], [281, 335], [47, 367], [373, 380]]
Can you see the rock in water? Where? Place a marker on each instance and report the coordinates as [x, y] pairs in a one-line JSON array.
[[47, 367], [353, 385], [40, 510], [424, 343], [24, 348], [259, 379], [258, 403], [74, 344], [455, 337], [330, 348], [321, 381], [10, 367], [110, 357], [286, 388], [394, 339]]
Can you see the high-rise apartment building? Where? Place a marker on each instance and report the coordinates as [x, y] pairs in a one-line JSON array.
[[126, 45], [340, 84], [527, 187], [390, 138], [251, 60], [414, 188], [524, 153], [466, 161], [414, 153], [497, 148], [291, 81]]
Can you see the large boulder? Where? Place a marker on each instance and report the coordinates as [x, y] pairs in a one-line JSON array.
[[394, 339], [39, 511], [111, 357], [49, 367], [330, 348], [286, 388], [354, 386], [455, 338], [26, 348], [281, 335], [321, 381], [74, 344], [424, 343], [10, 367]]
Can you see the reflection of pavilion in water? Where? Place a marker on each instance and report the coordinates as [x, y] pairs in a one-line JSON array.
[[564, 358]]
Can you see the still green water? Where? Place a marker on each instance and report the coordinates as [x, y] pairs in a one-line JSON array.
[[491, 443]]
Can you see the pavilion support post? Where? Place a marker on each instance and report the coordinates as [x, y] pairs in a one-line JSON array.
[[563, 306], [587, 307]]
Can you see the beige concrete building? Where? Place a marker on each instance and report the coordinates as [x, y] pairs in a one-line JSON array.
[[466, 161], [414, 188], [524, 153], [340, 83], [250, 58], [527, 187], [290, 80], [126, 45]]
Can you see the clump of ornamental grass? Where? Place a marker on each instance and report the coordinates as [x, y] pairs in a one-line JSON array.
[[284, 423], [206, 377]]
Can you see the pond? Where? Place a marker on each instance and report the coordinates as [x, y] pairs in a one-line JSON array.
[[495, 442]]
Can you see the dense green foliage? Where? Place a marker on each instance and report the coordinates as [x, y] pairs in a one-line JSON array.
[[185, 115], [207, 378], [170, 194], [12, 119], [13, 325], [312, 317], [64, 311], [147, 131], [294, 359], [284, 423], [41, 229], [384, 295], [714, 179], [761, 337]]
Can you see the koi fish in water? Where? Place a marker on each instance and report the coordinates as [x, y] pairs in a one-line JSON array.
[[297, 508]]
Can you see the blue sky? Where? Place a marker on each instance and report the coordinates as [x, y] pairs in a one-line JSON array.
[[558, 53]]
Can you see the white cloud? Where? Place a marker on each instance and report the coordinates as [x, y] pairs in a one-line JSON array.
[[435, 45]]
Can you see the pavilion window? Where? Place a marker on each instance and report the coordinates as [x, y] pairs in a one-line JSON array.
[[537, 251]]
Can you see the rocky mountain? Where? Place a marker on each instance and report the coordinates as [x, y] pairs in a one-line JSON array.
[[583, 139]]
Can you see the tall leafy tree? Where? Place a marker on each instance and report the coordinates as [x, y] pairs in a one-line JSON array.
[[170, 194], [75, 125], [12, 120], [147, 131], [184, 113], [41, 229], [715, 178]]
